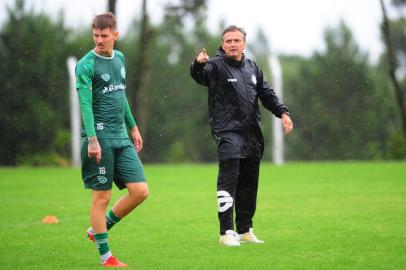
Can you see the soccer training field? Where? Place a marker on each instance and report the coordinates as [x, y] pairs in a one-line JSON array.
[[311, 216]]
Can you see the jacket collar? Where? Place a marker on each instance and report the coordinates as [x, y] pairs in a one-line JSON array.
[[221, 53]]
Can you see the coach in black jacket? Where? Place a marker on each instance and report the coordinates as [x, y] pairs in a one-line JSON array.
[[235, 83]]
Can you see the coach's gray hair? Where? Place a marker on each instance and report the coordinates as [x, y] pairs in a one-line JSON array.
[[233, 28]]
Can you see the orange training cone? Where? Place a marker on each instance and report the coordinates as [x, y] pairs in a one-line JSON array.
[[50, 220]]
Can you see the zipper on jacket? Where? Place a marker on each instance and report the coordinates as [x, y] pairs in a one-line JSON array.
[[246, 90]]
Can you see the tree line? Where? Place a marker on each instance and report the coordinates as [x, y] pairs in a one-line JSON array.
[[343, 106]]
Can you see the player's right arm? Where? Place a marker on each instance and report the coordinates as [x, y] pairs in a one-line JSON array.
[[84, 77]]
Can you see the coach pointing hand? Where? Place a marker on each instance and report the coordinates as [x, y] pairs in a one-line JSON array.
[[202, 57]]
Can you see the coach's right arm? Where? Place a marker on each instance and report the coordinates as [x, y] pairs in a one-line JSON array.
[[200, 69]]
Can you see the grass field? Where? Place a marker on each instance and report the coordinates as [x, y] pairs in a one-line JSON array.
[[311, 215]]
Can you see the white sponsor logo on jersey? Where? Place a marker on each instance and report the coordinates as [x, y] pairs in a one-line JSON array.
[[99, 126], [254, 79], [112, 88]]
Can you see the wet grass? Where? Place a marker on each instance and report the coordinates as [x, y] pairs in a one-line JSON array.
[[311, 215]]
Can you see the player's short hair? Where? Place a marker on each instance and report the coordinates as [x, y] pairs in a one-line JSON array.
[[233, 28], [105, 20]]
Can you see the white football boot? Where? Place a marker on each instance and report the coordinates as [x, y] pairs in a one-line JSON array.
[[230, 238], [249, 237]]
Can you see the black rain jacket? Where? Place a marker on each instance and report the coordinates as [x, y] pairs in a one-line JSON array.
[[234, 89]]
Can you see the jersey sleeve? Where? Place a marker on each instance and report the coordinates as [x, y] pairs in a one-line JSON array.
[[128, 116], [84, 76]]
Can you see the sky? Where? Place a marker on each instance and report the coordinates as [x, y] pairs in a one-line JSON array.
[[291, 26]]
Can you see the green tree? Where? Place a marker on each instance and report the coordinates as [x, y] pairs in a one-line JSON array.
[[332, 98], [34, 93], [177, 113], [394, 54]]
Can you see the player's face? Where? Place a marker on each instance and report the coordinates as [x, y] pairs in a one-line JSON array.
[[104, 40], [233, 44]]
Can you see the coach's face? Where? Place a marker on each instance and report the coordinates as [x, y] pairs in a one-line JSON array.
[[233, 44], [104, 40]]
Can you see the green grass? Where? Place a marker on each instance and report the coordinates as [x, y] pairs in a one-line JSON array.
[[311, 215]]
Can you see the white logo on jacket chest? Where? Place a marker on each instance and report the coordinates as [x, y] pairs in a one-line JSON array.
[[231, 80], [254, 79]]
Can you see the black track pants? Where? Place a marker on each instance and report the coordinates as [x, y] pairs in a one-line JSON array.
[[237, 186]]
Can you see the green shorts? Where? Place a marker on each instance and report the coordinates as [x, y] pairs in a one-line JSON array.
[[119, 164]]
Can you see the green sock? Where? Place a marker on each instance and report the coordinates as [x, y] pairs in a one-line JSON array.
[[111, 219], [102, 244]]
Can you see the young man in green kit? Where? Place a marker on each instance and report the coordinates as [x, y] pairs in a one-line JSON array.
[[108, 155]]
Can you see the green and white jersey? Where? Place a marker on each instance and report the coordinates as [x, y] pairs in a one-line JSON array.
[[101, 86]]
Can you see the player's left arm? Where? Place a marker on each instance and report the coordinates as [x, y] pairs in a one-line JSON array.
[[132, 126], [287, 123], [271, 101]]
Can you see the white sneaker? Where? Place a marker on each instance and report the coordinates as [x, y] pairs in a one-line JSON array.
[[249, 237], [230, 238]]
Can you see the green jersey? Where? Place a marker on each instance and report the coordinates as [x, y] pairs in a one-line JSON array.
[[100, 82]]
